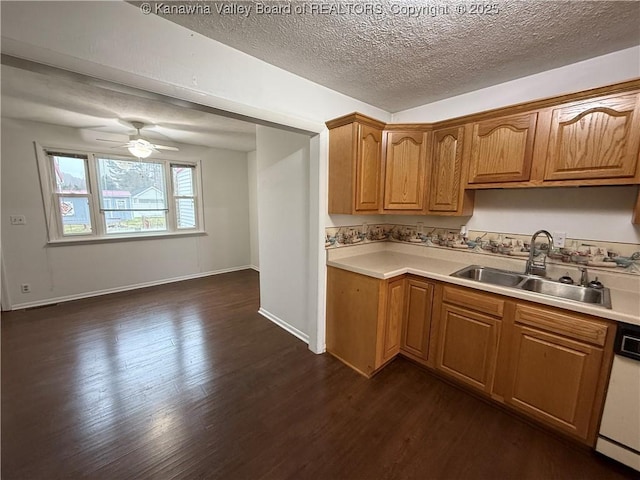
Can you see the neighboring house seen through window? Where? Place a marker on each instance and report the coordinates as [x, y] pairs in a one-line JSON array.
[[103, 196]]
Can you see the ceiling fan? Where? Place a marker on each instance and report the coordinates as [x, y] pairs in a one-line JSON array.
[[139, 146]]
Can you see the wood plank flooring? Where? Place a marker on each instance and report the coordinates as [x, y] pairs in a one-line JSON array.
[[187, 381]]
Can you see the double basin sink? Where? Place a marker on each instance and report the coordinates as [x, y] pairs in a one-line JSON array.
[[532, 283]]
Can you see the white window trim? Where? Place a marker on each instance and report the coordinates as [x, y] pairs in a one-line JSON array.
[[98, 234]]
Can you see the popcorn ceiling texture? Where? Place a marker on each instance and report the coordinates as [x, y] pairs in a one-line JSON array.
[[397, 61]]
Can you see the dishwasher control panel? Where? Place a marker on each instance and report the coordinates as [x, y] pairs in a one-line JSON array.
[[628, 341]]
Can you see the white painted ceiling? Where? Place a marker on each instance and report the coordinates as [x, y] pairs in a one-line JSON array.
[[105, 113], [396, 61]]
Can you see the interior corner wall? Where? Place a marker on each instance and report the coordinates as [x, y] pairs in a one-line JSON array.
[[252, 176], [283, 222], [71, 271]]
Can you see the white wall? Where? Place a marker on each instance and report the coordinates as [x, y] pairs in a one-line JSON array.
[[596, 72], [76, 270], [283, 212], [252, 176], [588, 213]]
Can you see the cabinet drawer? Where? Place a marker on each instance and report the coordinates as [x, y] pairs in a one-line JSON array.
[[557, 322], [481, 302]]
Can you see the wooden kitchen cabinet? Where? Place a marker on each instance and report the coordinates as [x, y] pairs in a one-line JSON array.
[[416, 332], [501, 149], [405, 168], [546, 363], [557, 370], [364, 319], [391, 323], [586, 138], [593, 139], [447, 195], [355, 165], [467, 346]]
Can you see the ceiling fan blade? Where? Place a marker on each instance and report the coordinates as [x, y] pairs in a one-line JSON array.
[[126, 145], [107, 140], [165, 147]]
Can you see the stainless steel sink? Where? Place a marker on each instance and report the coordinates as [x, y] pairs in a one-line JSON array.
[[490, 275], [535, 284], [568, 292]]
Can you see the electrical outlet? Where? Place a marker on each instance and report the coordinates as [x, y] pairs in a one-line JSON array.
[[559, 239], [25, 288], [17, 220]]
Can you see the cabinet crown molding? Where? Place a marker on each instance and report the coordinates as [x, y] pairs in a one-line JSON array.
[[355, 117]]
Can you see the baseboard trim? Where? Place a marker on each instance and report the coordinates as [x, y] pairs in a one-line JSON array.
[[107, 291], [253, 267], [284, 325]]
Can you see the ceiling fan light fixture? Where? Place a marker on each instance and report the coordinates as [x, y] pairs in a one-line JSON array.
[[140, 148]]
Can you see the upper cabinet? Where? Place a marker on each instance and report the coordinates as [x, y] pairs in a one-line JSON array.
[[447, 195], [501, 149], [376, 171], [368, 166], [599, 138], [355, 166], [580, 139], [405, 167]]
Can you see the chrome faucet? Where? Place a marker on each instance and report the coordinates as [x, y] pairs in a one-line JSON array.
[[584, 277], [536, 267]]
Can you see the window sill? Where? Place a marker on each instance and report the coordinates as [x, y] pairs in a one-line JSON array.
[[123, 238]]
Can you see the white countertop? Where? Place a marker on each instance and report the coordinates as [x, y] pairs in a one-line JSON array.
[[387, 260]]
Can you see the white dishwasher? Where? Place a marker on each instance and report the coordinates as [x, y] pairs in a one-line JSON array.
[[619, 436]]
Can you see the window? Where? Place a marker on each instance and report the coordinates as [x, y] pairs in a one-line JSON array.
[[139, 191], [184, 195], [72, 198], [101, 196]]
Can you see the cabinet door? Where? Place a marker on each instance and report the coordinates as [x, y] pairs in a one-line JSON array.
[[467, 346], [553, 378], [417, 319], [446, 165], [405, 167], [353, 309], [368, 168], [595, 139], [502, 149], [392, 322]]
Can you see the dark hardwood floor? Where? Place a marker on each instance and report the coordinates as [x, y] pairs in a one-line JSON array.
[[187, 381]]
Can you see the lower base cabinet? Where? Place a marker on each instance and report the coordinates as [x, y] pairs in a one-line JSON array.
[[364, 319], [468, 346], [416, 331], [391, 321], [546, 363], [555, 370]]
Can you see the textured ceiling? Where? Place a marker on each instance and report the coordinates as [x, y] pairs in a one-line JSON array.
[[397, 61], [28, 95]]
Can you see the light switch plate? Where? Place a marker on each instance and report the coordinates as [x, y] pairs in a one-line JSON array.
[[17, 220], [559, 238]]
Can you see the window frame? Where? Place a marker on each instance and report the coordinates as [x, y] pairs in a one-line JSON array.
[[50, 196], [194, 196]]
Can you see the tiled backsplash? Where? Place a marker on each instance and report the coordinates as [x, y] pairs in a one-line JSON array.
[[619, 257]]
